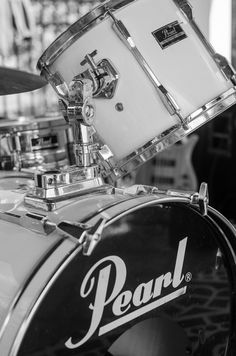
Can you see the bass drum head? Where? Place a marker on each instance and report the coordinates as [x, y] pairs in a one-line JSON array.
[[159, 283]]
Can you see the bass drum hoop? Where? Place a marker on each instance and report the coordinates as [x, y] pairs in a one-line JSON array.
[[35, 303]]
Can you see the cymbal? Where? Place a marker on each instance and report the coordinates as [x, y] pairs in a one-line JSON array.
[[13, 81]]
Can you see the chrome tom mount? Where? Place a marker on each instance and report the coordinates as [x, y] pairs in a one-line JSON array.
[[79, 112], [78, 109]]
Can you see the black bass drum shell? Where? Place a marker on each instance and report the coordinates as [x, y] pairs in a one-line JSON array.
[[160, 282]]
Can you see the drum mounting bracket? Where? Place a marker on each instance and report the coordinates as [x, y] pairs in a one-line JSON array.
[[85, 175], [102, 74]]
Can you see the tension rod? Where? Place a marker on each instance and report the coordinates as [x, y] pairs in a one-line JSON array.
[[163, 93]]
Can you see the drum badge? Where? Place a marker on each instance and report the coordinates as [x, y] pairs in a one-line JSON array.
[[169, 34], [127, 305]]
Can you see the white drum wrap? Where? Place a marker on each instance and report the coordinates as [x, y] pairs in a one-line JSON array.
[[174, 50]]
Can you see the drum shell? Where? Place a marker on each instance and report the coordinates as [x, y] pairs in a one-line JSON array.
[[148, 253], [186, 69]]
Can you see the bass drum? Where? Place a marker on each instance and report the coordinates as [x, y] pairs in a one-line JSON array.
[[161, 280]]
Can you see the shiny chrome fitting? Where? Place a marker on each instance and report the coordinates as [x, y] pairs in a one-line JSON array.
[[54, 186], [225, 67], [57, 82], [185, 7], [85, 154], [102, 74], [80, 106], [91, 238], [52, 182], [201, 198]]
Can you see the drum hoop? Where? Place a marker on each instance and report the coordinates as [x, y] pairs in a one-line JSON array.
[[77, 30], [65, 262], [31, 123], [117, 169], [26, 283], [134, 203]]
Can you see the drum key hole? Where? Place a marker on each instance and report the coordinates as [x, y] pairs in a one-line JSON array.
[[119, 107]]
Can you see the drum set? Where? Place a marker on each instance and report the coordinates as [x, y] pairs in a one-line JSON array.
[[88, 268]]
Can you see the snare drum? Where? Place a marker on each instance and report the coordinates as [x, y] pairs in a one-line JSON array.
[[35, 143], [160, 278], [168, 79]]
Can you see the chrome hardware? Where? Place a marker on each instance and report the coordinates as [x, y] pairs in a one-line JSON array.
[[38, 223], [80, 106], [222, 63], [90, 238], [35, 222], [225, 67], [105, 153], [64, 225], [165, 96], [80, 115], [64, 185], [89, 59], [102, 74], [53, 186], [185, 7], [138, 189], [119, 107], [56, 81], [72, 230], [219, 260], [202, 198]]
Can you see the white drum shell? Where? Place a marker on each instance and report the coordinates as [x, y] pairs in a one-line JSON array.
[[186, 69]]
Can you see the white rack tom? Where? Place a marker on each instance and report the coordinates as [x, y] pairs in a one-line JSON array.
[[170, 80]]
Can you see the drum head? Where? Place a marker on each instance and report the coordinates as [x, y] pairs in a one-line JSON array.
[[159, 283]]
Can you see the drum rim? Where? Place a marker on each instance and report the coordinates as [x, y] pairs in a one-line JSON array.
[[141, 202], [77, 30], [137, 202], [32, 122], [115, 169]]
